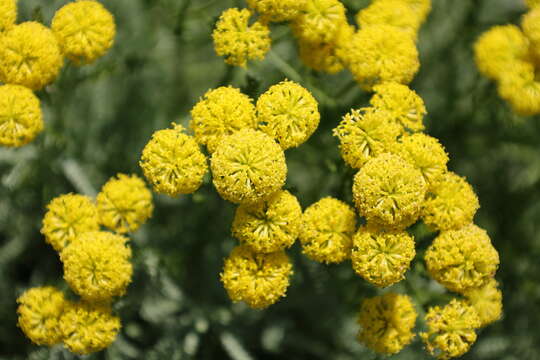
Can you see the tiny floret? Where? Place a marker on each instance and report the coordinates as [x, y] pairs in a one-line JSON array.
[[8, 14], [21, 119], [319, 21], [278, 10]]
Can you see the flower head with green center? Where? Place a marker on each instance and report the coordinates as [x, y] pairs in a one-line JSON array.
[[173, 162], [462, 259], [259, 280], [450, 203], [327, 229], [288, 113], [8, 14], [451, 329], [85, 30], [124, 203], [248, 166], [278, 10], [387, 322], [319, 21], [389, 192], [21, 119], [521, 88], [88, 327], [39, 312], [29, 56], [67, 217], [268, 225], [396, 13], [238, 41], [487, 301], [221, 112], [382, 257], [421, 8], [364, 134], [406, 107]]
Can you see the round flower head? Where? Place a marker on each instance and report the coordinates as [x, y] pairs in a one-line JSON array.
[[29, 56], [85, 30], [21, 119], [396, 13], [124, 203], [389, 192], [319, 21], [278, 10], [288, 113], [39, 312], [173, 162], [426, 153], [521, 89], [8, 14], [67, 217], [364, 134], [97, 265], [327, 229], [268, 225], [531, 28], [450, 203], [462, 259], [406, 107], [487, 301], [248, 166], [219, 113], [238, 41], [421, 8], [381, 53], [387, 322], [259, 280], [88, 327], [451, 329]]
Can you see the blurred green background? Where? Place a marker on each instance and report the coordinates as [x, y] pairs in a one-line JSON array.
[[99, 117]]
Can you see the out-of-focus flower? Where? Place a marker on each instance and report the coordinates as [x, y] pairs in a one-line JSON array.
[[8, 14], [531, 28], [278, 10], [421, 8], [521, 89], [396, 13], [319, 21], [487, 301]]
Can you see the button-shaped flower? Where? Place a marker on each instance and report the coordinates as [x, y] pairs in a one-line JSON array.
[[487, 301], [319, 21]]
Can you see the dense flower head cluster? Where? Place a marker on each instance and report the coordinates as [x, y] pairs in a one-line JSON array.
[[21, 119]]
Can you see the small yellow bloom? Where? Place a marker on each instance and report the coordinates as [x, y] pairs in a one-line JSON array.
[[396, 13], [319, 21], [521, 89], [421, 8], [487, 301], [8, 14], [85, 30], [269, 225], [327, 229], [238, 41], [29, 56], [219, 113], [451, 329], [124, 203], [387, 323], [248, 166], [288, 113], [259, 280], [389, 192], [39, 312], [278, 10], [462, 259], [67, 217], [173, 162], [88, 327], [21, 119]]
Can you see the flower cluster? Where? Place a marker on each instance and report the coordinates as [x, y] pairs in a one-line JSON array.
[[32, 55], [97, 266]]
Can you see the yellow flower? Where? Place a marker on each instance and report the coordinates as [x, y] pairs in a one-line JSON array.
[[124, 203], [364, 134], [85, 30], [451, 329], [381, 53], [421, 8], [239, 42], [8, 14], [382, 257], [97, 265], [532, 3], [221, 112], [319, 21], [487, 301], [450, 203], [389, 192], [248, 166], [21, 119], [531, 28], [288, 113], [521, 89], [67, 217], [88, 327], [39, 312], [327, 229], [277, 10], [268, 225], [29, 56], [403, 103], [396, 13], [259, 280], [173, 162], [387, 323], [462, 259]]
